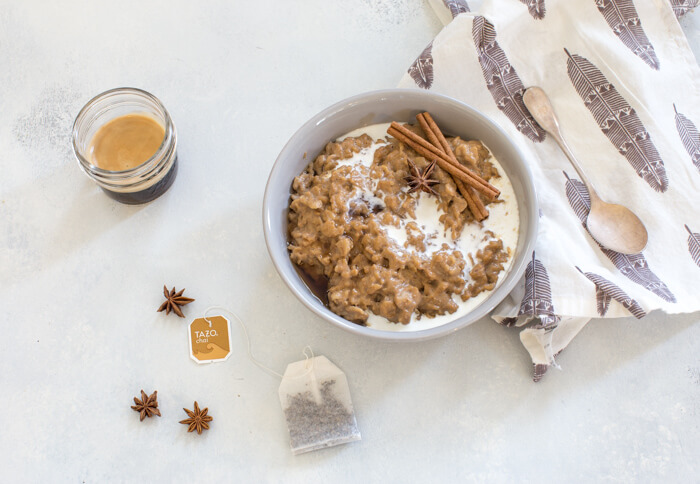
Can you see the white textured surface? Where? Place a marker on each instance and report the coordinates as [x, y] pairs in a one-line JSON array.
[[80, 277]]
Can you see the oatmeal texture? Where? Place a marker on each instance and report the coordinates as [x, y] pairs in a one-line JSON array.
[[337, 235]]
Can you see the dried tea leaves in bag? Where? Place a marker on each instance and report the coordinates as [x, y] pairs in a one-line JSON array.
[[316, 402]]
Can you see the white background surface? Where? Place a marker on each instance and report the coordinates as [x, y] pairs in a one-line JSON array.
[[81, 277]]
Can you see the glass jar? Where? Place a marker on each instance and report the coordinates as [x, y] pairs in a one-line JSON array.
[[150, 179]]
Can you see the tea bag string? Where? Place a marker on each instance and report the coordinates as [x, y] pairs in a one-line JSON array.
[[308, 364]]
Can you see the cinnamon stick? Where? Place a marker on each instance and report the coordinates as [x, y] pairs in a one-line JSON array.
[[476, 206], [432, 125], [440, 158], [415, 138], [454, 168], [425, 126], [431, 129]]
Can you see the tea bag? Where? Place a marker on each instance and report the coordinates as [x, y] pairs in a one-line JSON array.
[[316, 402], [314, 395]]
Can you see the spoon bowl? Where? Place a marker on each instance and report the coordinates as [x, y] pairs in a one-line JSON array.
[[616, 227], [613, 226]]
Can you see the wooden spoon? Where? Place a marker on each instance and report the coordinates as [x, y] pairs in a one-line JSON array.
[[615, 227]]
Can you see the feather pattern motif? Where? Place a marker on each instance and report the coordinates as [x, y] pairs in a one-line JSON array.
[[633, 266], [602, 300], [502, 80], [579, 199], [689, 136], [681, 7], [539, 370], [611, 290], [508, 322], [456, 6], [538, 295], [618, 121], [536, 8], [694, 245], [623, 19], [636, 268], [422, 68]]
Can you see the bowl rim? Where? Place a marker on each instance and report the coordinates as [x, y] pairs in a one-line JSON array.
[[485, 307]]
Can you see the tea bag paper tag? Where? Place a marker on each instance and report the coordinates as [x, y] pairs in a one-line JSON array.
[[315, 398], [210, 339]]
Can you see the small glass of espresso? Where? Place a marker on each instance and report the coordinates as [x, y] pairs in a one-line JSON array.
[[125, 140]]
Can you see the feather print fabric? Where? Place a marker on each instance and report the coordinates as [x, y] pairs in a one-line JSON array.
[[624, 21], [689, 136], [502, 80], [607, 290], [694, 245], [536, 8], [537, 301], [602, 301], [456, 6], [422, 68], [681, 7], [618, 121], [538, 371]]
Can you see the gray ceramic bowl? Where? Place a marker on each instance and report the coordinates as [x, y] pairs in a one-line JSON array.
[[400, 105]]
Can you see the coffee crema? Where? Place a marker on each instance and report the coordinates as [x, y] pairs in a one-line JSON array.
[[126, 142]]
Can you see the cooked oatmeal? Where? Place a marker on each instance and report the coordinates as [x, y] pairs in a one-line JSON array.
[[381, 255]]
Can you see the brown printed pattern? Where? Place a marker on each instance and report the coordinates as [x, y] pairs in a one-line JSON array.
[[422, 68], [694, 245], [456, 6], [536, 8], [538, 370], [509, 321], [618, 121], [537, 301], [689, 136], [681, 7], [605, 290], [623, 19], [502, 80], [633, 266], [602, 300]]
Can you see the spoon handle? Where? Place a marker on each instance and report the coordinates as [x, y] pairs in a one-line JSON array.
[[540, 107]]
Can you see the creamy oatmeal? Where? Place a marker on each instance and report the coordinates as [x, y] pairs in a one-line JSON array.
[[383, 257]]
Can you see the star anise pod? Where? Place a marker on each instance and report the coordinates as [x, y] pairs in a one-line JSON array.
[[147, 406], [198, 419], [420, 180], [173, 301]]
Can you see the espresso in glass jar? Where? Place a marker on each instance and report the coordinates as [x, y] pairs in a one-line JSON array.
[[125, 140]]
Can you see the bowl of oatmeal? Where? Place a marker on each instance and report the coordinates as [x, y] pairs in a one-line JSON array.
[[400, 214]]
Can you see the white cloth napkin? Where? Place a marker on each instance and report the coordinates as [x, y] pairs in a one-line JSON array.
[[625, 86]]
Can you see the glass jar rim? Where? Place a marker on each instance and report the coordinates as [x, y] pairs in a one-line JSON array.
[[140, 169]]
